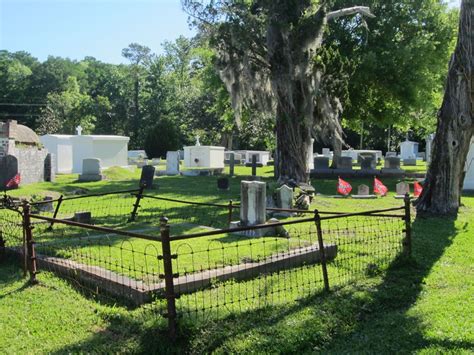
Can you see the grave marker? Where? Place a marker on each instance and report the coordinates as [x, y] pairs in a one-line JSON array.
[[91, 170], [146, 179]]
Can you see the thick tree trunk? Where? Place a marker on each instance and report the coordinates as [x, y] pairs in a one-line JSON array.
[[442, 190]]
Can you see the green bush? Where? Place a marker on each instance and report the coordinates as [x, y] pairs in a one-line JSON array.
[[165, 136]]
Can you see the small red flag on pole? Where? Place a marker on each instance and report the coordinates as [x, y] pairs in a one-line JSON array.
[[14, 181], [379, 187], [343, 187], [418, 189]]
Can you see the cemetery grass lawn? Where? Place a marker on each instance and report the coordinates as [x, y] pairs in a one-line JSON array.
[[426, 306]]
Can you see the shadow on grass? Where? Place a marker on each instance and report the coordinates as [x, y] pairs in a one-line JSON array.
[[370, 316]]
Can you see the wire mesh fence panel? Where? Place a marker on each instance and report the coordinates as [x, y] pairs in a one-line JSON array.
[[11, 228], [365, 245]]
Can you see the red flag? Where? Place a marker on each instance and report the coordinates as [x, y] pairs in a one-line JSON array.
[[14, 181], [343, 187], [418, 189], [379, 187]]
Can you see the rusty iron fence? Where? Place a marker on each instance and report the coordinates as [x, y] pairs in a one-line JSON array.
[[184, 259]]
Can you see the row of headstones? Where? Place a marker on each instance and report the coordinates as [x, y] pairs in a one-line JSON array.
[[367, 163]]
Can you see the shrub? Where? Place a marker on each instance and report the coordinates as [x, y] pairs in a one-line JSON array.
[[163, 137]]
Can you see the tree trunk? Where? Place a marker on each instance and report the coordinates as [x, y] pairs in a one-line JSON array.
[[443, 186], [337, 150]]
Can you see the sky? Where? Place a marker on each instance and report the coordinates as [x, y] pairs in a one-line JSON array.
[[97, 28]]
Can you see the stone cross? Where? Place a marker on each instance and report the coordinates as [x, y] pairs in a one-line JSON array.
[[79, 130], [198, 144]]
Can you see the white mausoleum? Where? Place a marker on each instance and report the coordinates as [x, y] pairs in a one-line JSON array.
[[71, 150]]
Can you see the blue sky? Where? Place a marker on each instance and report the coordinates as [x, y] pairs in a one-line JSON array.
[[98, 28]]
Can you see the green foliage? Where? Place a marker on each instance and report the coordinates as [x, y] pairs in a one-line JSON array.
[[164, 137]]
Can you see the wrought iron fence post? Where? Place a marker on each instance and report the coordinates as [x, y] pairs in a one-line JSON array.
[[407, 241], [56, 211], [136, 204], [169, 283], [231, 207], [317, 221], [30, 244]]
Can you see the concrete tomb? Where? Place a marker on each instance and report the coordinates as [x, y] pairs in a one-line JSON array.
[[91, 170], [204, 157], [392, 166]]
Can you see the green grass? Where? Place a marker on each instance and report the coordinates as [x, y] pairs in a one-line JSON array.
[[424, 306]]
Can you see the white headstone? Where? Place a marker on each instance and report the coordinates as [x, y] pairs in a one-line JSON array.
[[310, 155], [285, 197], [172, 163], [91, 170], [429, 147], [253, 202], [408, 150]]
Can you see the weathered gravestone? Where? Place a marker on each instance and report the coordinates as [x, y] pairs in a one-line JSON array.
[[82, 217], [392, 166], [344, 163], [91, 170], [321, 164], [368, 161], [284, 197], [231, 163], [172, 163], [390, 154], [8, 169], [402, 188], [146, 178], [253, 203], [223, 183], [363, 192], [409, 162]]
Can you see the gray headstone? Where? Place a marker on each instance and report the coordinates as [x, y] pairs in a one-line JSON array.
[[8, 168], [285, 197], [231, 163], [172, 163], [392, 163], [253, 196], [50, 168], [321, 163], [83, 217], [363, 190], [91, 170], [402, 188], [146, 179], [409, 162], [367, 161], [344, 163], [390, 154]]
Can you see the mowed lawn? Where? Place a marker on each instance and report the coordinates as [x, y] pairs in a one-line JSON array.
[[426, 306]]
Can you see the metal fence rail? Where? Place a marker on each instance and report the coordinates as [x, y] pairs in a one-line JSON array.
[[182, 257]]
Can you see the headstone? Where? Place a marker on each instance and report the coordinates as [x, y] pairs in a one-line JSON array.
[[310, 155], [368, 161], [402, 188], [327, 152], [91, 170], [146, 179], [172, 163], [83, 217], [8, 168], [254, 165], [429, 147], [48, 206], [223, 183], [285, 197], [408, 149], [390, 154], [231, 163], [321, 163], [253, 196], [363, 192], [409, 162], [344, 163]]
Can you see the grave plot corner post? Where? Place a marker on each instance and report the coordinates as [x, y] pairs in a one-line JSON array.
[[30, 244], [407, 240], [136, 205], [168, 276], [317, 221]]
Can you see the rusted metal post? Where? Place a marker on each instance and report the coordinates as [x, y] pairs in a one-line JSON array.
[[30, 244], [407, 241], [231, 207], [169, 283], [317, 221], [137, 204], [56, 211]]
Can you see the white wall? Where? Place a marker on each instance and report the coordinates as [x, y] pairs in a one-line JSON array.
[[61, 147]]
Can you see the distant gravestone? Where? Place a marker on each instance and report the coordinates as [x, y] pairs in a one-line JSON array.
[[363, 192], [83, 217], [223, 183], [327, 152], [344, 163], [231, 163], [146, 178], [49, 168], [172, 163], [91, 170], [8, 169], [285, 197], [253, 203], [321, 163], [390, 154], [409, 162], [368, 162], [392, 163], [402, 188]]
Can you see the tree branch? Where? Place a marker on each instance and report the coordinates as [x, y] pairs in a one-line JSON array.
[[362, 10]]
